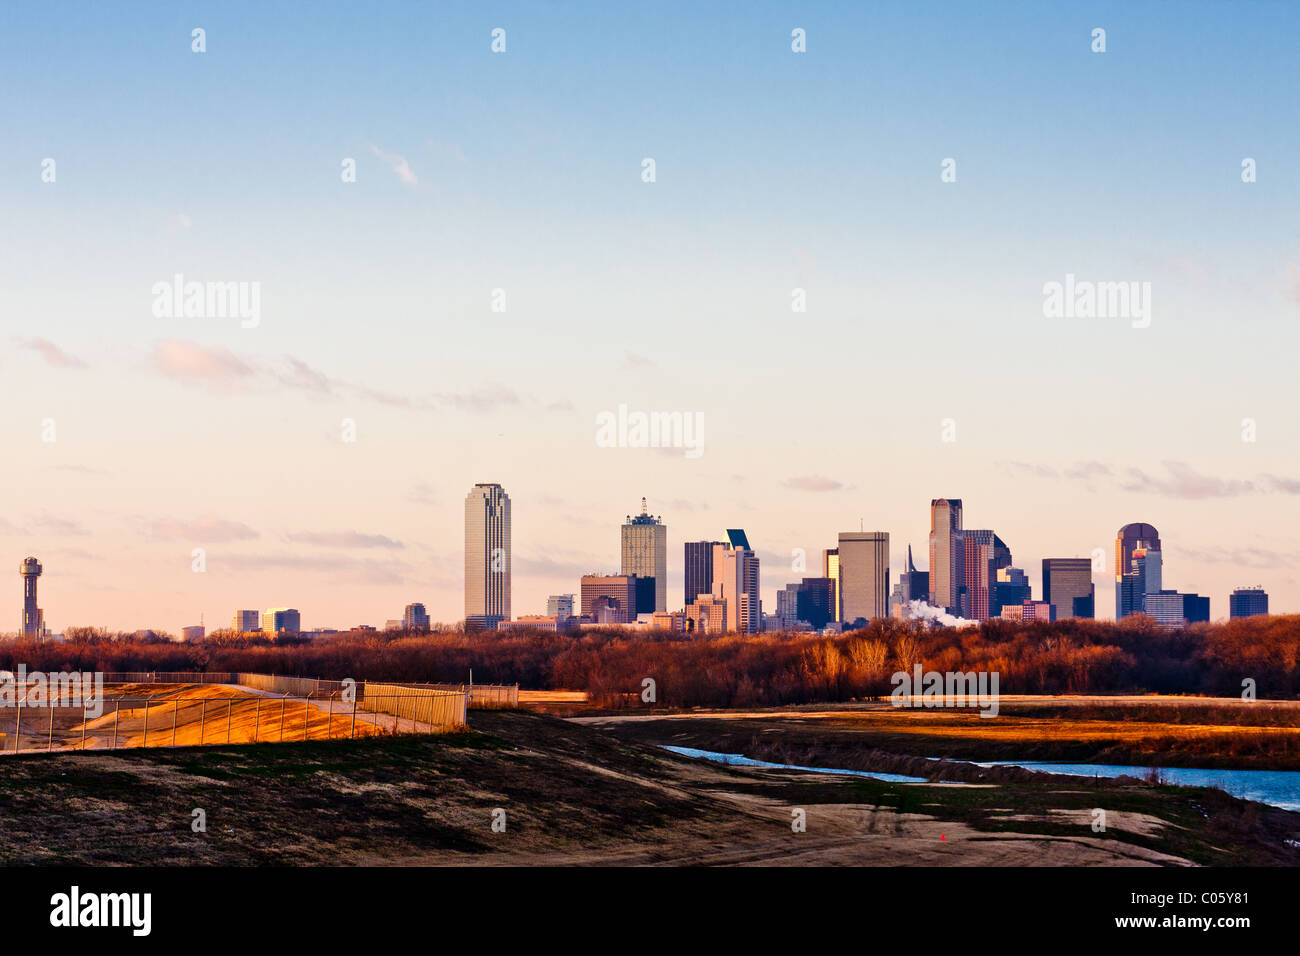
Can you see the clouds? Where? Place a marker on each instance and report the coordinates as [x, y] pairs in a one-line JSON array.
[[204, 530], [217, 369], [813, 483], [221, 371], [1182, 481], [398, 165], [45, 525], [52, 354], [345, 539], [1179, 480]]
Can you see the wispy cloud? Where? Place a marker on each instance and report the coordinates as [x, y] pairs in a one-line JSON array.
[[52, 354], [50, 524], [1182, 481], [344, 539], [1178, 480], [201, 530], [1242, 557], [813, 483], [218, 369], [398, 165]]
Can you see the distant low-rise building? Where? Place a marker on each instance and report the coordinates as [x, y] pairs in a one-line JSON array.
[[1028, 611], [415, 618], [540, 622], [1247, 602], [707, 615], [668, 621], [1173, 610], [246, 622], [281, 620], [560, 605], [195, 632], [610, 598], [474, 623]]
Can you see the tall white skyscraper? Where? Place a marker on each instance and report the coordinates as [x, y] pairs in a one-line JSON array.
[[487, 553], [645, 552]]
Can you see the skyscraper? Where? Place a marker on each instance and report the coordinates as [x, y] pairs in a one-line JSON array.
[[487, 554], [736, 581], [913, 585], [645, 553], [831, 569], [813, 601], [33, 625], [1247, 602], [946, 555], [699, 569], [1128, 592], [864, 575], [1068, 587], [1012, 589], [984, 554]]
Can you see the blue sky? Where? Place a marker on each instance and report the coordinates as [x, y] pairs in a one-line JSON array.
[[521, 171]]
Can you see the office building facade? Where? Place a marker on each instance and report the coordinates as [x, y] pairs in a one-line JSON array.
[[1247, 602], [1129, 594], [736, 581], [699, 569], [644, 548], [864, 575], [947, 554], [1068, 587], [487, 554]]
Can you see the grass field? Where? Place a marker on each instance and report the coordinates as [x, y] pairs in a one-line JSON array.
[[158, 715], [1166, 732]]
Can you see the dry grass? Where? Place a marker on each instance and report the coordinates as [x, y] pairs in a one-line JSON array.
[[186, 715]]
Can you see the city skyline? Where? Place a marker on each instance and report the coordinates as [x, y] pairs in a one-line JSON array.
[[500, 278], [986, 566]]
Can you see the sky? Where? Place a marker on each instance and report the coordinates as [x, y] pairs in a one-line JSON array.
[[501, 273]]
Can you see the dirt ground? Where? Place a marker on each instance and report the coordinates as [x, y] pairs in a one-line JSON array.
[[573, 794]]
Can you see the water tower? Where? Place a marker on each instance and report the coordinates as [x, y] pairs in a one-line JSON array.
[[33, 618]]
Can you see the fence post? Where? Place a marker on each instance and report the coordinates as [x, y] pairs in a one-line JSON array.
[[176, 710], [117, 715], [284, 702], [229, 704], [50, 746], [83, 723], [329, 717], [306, 714], [354, 713], [18, 727], [203, 720], [146, 723], [257, 720]]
